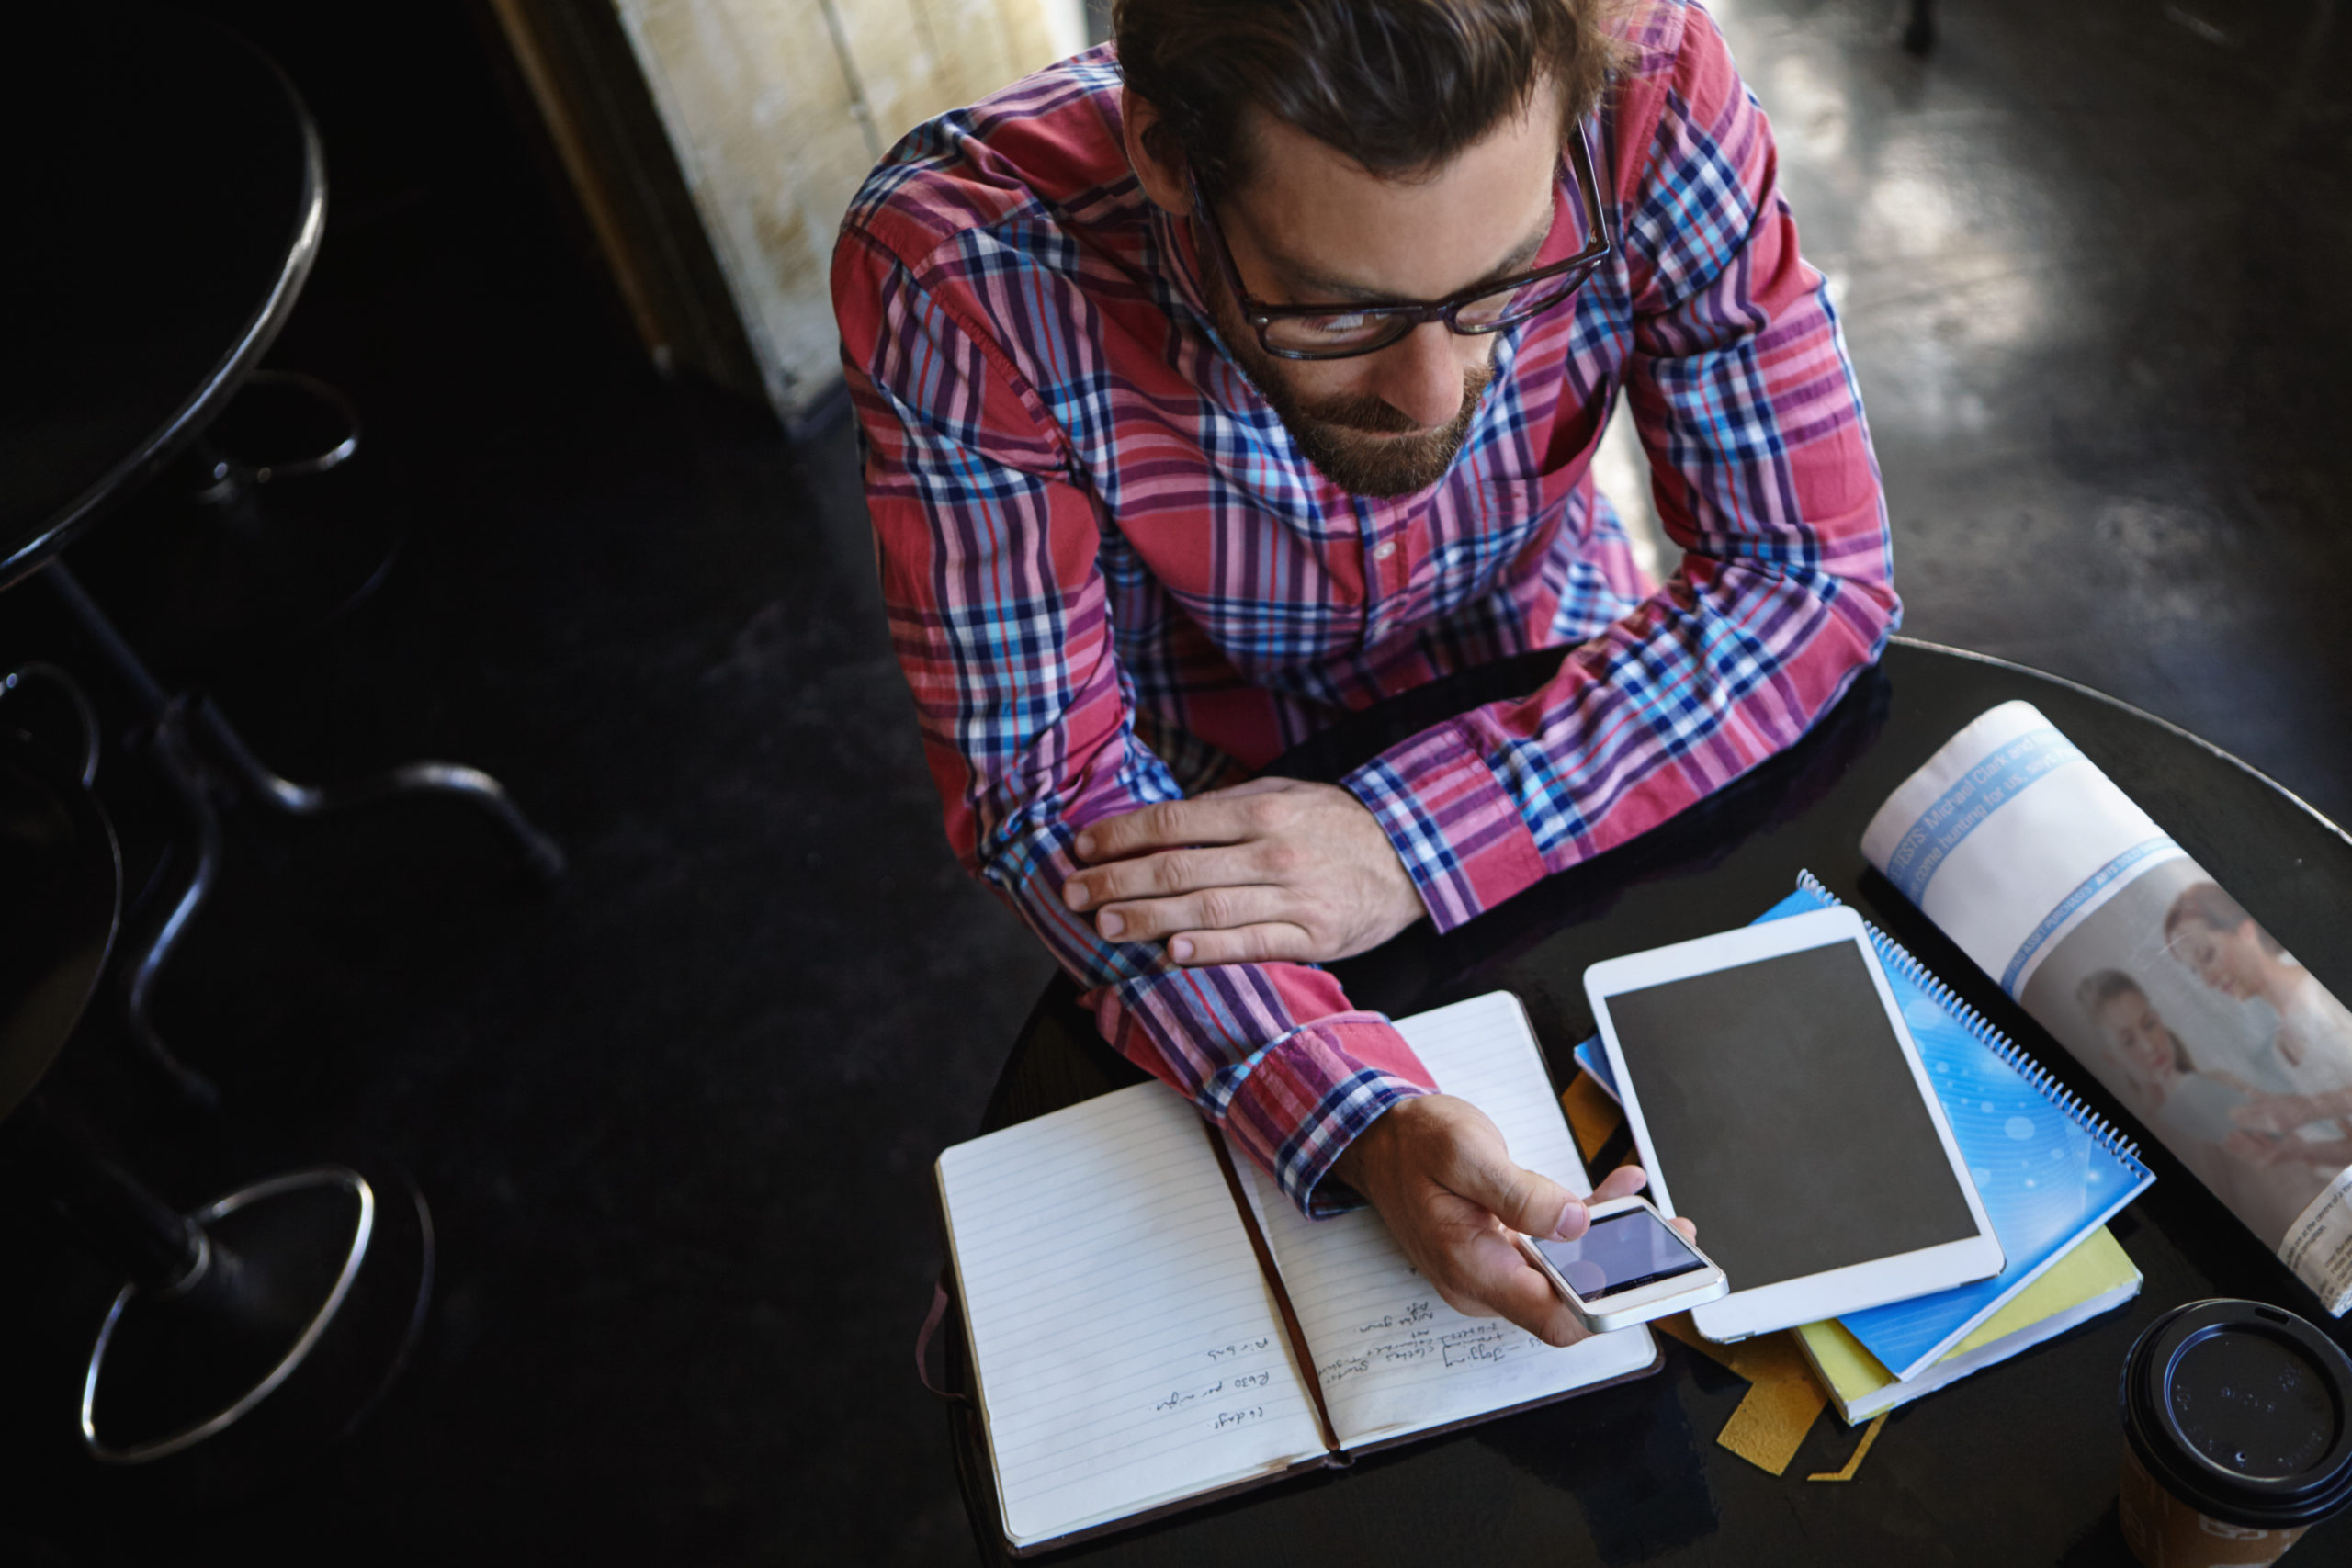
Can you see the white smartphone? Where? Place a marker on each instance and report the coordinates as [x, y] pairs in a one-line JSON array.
[[1629, 1267]]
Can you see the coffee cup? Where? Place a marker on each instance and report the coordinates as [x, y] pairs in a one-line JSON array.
[[2237, 1422]]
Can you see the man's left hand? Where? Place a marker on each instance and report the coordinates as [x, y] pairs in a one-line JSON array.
[[1270, 871]]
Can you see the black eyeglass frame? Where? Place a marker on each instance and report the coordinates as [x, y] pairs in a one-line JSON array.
[[1261, 315]]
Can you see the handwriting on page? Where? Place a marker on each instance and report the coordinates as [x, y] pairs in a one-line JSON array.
[[1392, 1357], [1183, 1396], [1239, 1348], [1239, 1382], [1419, 1312], [1128, 1349], [1423, 1340]]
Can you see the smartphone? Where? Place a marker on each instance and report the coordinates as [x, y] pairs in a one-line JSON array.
[[1629, 1267]]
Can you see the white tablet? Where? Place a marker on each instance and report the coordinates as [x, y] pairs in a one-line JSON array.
[[1776, 1096]]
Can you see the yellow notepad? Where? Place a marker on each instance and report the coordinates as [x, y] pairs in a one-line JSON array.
[[2094, 1278]]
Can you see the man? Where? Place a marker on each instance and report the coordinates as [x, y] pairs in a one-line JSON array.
[[1251, 370]]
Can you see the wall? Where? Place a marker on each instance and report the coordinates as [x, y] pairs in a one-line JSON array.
[[777, 108]]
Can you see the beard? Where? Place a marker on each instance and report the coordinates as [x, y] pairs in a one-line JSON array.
[[1361, 443], [1358, 442]]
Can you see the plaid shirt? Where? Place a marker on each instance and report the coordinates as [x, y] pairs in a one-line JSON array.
[[1113, 579]]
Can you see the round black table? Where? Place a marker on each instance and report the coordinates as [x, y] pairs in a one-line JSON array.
[[2016, 1465], [169, 197]]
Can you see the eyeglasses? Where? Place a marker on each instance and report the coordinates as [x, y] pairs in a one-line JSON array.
[[1318, 332]]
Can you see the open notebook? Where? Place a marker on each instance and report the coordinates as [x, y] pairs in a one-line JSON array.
[[1132, 1353]]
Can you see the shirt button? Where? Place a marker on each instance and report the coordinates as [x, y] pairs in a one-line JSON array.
[[1382, 552]]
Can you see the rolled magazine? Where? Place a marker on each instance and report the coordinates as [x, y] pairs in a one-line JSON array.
[[2236, 1058]]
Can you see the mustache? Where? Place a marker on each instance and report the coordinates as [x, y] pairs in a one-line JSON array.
[[1373, 416], [1363, 412]]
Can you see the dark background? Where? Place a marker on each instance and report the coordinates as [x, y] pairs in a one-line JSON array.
[[676, 1119]]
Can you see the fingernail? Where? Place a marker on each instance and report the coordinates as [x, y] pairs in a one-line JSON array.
[[1086, 846], [1074, 895], [1110, 924], [1571, 1222], [1181, 948]]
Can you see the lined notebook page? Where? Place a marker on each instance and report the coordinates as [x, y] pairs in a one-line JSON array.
[[1130, 1352], [1393, 1357]]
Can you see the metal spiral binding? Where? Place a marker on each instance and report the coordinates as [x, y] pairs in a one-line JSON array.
[[2069, 1104]]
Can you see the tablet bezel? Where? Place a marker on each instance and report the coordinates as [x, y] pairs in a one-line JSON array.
[[1812, 1297]]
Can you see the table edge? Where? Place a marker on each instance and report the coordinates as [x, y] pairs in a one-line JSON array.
[[260, 330], [2078, 687]]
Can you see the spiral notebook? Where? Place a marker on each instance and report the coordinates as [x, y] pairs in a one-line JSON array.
[[2049, 1171]]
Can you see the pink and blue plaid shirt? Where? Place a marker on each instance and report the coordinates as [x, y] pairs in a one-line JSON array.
[[1113, 579]]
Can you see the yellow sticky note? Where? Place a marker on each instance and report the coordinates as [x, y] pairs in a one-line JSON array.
[[1593, 1117], [1870, 1435], [1782, 1399]]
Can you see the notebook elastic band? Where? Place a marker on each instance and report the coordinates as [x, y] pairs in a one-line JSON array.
[[931, 1322]]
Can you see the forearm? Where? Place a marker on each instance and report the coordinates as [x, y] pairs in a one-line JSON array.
[[1699, 685], [1274, 1054]]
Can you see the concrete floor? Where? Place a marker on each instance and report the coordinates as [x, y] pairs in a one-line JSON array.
[[677, 1120], [2090, 258]]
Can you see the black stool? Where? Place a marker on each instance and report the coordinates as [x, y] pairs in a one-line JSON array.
[[265, 1323]]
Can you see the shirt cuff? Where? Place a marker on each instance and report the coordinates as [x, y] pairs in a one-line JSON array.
[[1302, 1101], [1457, 829]]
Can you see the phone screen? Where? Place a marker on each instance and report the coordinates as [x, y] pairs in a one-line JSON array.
[[1622, 1252]]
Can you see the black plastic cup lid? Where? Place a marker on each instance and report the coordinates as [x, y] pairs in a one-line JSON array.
[[2244, 1411]]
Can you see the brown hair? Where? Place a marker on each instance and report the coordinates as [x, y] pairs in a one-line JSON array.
[[2205, 903], [1399, 85], [2104, 986], [2097, 990]]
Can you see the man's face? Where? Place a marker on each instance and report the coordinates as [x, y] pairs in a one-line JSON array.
[[1313, 228]]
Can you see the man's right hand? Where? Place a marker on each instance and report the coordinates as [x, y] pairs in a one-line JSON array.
[[1441, 1177]]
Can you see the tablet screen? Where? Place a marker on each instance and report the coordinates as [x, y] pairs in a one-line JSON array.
[[1785, 1117]]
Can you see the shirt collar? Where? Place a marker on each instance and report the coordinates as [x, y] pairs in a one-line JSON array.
[[1174, 237]]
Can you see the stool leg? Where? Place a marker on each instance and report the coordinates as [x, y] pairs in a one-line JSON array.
[[250, 1333], [180, 771], [124, 659], [1919, 26], [184, 724], [540, 854], [134, 1231]]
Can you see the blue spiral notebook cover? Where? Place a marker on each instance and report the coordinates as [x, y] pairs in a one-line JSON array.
[[2048, 1169]]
